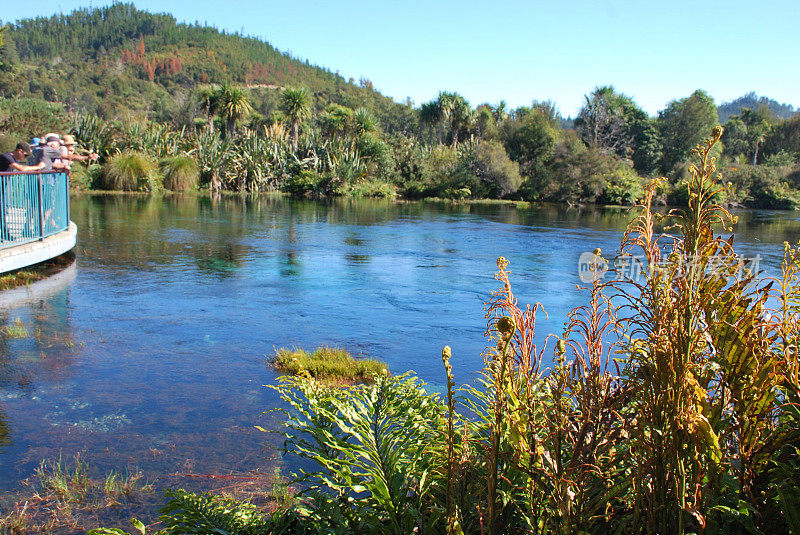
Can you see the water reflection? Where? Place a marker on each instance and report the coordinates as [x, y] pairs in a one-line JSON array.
[[5, 434]]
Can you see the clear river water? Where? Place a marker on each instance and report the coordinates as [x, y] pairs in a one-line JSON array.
[[150, 352]]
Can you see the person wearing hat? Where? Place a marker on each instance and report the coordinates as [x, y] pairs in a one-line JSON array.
[[49, 153], [68, 154], [9, 161]]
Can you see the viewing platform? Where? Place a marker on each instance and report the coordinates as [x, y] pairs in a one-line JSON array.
[[34, 218]]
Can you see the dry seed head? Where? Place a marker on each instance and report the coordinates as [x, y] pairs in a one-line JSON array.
[[502, 263]]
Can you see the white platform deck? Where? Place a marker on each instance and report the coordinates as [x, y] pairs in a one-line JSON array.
[[34, 252]]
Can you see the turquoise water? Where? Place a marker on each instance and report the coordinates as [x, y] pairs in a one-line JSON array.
[[150, 352]]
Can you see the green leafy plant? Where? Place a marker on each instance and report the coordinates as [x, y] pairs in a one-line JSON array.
[[371, 446]]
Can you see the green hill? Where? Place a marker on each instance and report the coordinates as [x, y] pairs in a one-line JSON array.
[[753, 102], [119, 59]]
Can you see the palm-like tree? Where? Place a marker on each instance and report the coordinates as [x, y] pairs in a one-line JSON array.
[[231, 104], [456, 111], [336, 121], [207, 97], [296, 105], [364, 121], [430, 114]]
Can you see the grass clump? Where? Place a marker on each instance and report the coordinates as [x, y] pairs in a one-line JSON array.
[[63, 497], [329, 364], [21, 277], [181, 173], [16, 330], [130, 171]]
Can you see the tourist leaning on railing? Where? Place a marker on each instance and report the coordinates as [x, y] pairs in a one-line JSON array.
[[9, 161], [49, 154], [68, 154]]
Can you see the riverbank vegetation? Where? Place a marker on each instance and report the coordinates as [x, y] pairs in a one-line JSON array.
[[327, 364], [672, 406], [242, 116]]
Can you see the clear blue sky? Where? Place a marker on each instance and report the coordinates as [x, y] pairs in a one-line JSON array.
[[519, 51]]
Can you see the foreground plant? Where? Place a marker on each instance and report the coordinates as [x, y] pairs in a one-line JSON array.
[[371, 445]]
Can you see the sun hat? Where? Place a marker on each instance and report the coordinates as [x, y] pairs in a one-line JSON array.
[[68, 140]]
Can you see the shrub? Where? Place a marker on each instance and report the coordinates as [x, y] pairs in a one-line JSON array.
[[130, 171], [181, 172], [31, 116], [374, 447], [373, 188], [379, 155], [83, 177], [490, 163], [306, 183], [622, 186], [7, 143], [766, 186]]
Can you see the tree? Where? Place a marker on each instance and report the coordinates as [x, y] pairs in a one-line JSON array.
[[231, 103], [784, 136], [364, 122], [759, 122], [734, 138], [485, 122], [647, 145], [430, 115], [336, 121], [450, 110], [296, 104], [456, 112], [207, 97], [602, 122], [684, 124], [530, 140], [489, 162]]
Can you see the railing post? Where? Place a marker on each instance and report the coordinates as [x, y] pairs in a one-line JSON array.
[[68, 173], [41, 207]]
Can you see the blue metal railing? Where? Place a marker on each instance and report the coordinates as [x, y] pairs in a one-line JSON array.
[[32, 206]]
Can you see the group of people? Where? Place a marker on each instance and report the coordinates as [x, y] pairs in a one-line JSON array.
[[54, 154]]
